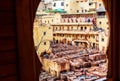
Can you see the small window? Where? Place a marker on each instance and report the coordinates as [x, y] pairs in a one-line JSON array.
[[56, 28], [52, 20], [100, 5], [60, 27], [89, 36], [68, 28], [81, 28], [85, 10], [90, 4], [100, 22], [54, 35], [62, 3], [63, 28], [66, 5], [82, 10], [71, 27], [85, 28], [81, 36], [44, 33], [102, 39], [106, 22], [54, 5], [44, 43], [77, 11], [77, 43]]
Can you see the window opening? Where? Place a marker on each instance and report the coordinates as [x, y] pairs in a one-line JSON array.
[[62, 3], [54, 5], [62, 38], [102, 39]]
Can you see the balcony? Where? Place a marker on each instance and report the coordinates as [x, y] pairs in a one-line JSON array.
[[81, 23], [74, 32]]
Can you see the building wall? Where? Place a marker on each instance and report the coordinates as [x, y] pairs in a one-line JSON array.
[[41, 6], [53, 67], [78, 6], [57, 18], [35, 30], [71, 6], [102, 22], [103, 41], [58, 4], [42, 36], [92, 5], [84, 6], [50, 18], [47, 19], [49, 6], [71, 33], [99, 4]]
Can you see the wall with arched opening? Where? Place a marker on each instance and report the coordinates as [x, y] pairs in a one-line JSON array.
[[64, 42], [25, 23]]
